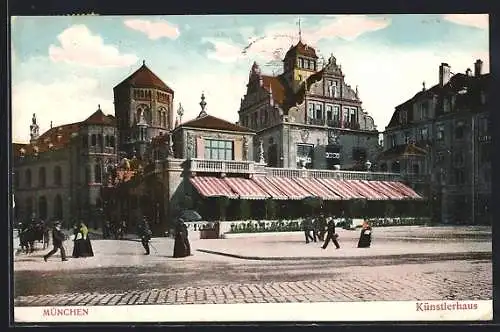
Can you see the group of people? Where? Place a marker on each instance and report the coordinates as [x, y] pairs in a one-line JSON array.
[[115, 229], [82, 247], [315, 228], [182, 247]]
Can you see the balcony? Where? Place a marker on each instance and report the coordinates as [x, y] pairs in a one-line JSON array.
[[316, 122], [221, 166], [333, 123]]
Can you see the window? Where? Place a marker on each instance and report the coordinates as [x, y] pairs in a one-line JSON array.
[[112, 141], [319, 111], [97, 173], [336, 112], [57, 176], [28, 178], [440, 133], [106, 141], [305, 155], [345, 115], [352, 118], [302, 63], [42, 178], [423, 110], [329, 113], [218, 149], [393, 140], [310, 110], [85, 141], [94, 140], [423, 133], [459, 130], [407, 137]]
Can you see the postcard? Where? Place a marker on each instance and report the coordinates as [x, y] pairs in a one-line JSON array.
[[230, 168]]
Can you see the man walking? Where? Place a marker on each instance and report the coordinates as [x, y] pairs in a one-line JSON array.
[[307, 226], [331, 235], [57, 240], [145, 234]]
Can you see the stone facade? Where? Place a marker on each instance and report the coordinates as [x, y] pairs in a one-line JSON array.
[[450, 124], [310, 109]]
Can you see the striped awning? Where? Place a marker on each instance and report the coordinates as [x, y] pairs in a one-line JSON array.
[[386, 189], [246, 188], [209, 186], [339, 188], [315, 187], [269, 188], [364, 189], [289, 187], [405, 190]]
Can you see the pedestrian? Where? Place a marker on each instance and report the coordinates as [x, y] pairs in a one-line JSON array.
[[331, 235], [58, 238], [320, 226], [106, 230], [182, 247], [365, 238], [145, 234], [307, 226]]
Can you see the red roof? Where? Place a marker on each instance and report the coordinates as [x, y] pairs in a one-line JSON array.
[[99, 118], [211, 122], [145, 78], [302, 49], [277, 88]]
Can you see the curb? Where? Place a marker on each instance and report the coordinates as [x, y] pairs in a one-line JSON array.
[[479, 255]]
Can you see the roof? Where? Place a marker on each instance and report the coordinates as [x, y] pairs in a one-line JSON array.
[[53, 139], [403, 150], [211, 122], [59, 137], [456, 83], [273, 83], [99, 118], [145, 78], [301, 49]]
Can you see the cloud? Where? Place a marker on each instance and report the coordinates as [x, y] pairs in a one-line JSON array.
[[480, 21], [224, 51], [65, 101], [154, 30], [79, 46], [278, 38]]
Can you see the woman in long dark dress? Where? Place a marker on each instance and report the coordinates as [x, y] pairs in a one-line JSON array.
[[182, 247], [77, 242], [365, 237], [83, 246]]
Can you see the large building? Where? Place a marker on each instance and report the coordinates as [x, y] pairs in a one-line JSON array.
[[59, 174], [308, 116], [440, 142]]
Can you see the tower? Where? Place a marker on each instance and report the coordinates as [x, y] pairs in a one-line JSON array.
[[143, 106], [299, 63]]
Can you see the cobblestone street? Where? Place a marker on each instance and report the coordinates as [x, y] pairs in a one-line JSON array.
[[451, 280], [443, 269]]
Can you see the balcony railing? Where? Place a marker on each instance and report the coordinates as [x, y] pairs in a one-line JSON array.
[[330, 174], [222, 166]]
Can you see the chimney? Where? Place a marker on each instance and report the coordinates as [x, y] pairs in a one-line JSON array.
[[478, 67], [468, 72], [444, 74]]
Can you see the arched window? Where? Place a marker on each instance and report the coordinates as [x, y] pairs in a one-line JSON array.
[[42, 177], [97, 173], [147, 115], [28, 178], [138, 114], [42, 208], [160, 117], [94, 140], [57, 176], [85, 141], [58, 207]]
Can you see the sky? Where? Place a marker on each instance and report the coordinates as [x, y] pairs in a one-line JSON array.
[[63, 67]]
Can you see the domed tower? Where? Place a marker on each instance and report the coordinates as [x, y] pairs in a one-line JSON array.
[[143, 108]]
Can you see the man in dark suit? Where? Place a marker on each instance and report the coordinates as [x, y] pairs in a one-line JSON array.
[[331, 235], [58, 238], [307, 226], [145, 234]]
